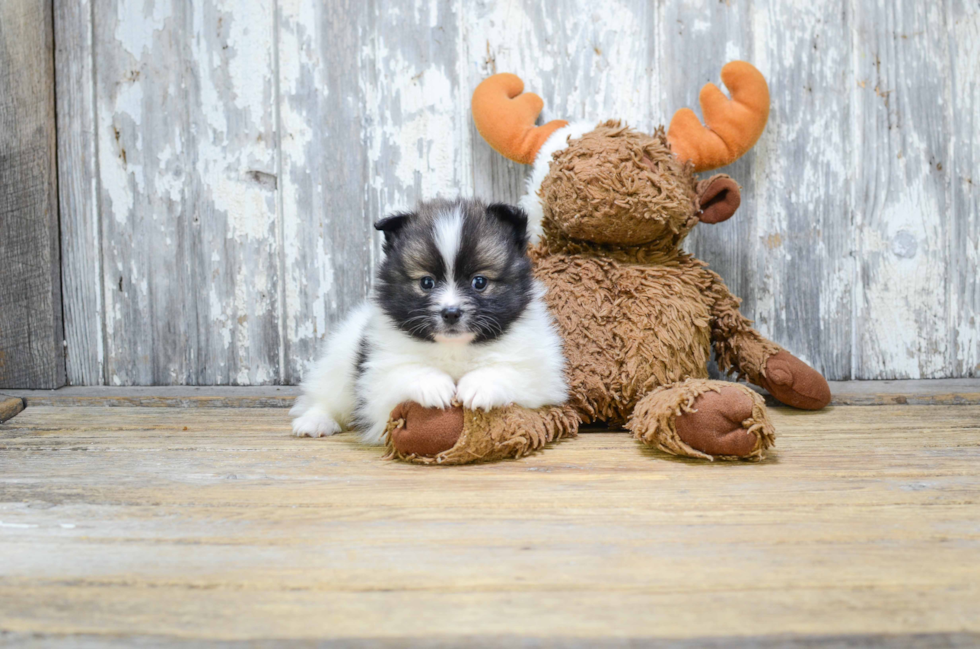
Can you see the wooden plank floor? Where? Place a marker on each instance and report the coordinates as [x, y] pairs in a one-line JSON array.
[[124, 525]]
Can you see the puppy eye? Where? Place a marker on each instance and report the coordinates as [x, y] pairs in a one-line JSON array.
[[480, 283], [427, 283]]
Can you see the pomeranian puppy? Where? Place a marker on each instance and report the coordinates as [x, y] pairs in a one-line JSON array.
[[455, 315]]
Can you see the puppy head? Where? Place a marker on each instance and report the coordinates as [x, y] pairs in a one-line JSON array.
[[455, 271]]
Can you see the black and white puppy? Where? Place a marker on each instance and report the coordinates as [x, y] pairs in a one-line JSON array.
[[455, 314]]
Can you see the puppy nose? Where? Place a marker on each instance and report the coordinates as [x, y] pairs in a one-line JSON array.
[[451, 314]]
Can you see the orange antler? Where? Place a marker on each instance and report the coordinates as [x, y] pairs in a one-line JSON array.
[[732, 126], [505, 117]]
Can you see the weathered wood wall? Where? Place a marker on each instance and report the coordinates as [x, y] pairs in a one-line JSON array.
[[222, 162], [31, 350]]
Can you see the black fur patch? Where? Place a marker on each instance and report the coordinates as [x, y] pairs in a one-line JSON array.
[[362, 356], [493, 243], [359, 404]]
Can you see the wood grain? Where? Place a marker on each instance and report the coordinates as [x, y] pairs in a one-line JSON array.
[[802, 237], [328, 252], [963, 285], [78, 188], [31, 329], [855, 246], [215, 524], [185, 104], [902, 201]]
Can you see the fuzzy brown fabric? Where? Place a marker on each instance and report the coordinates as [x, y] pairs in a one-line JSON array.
[[502, 433], [616, 185], [722, 420], [739, 349], [628, 328]]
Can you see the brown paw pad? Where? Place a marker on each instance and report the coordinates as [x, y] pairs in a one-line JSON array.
[[716, 426], [425, 431]]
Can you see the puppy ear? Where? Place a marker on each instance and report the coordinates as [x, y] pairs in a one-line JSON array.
[[392, 225], [514, 218]]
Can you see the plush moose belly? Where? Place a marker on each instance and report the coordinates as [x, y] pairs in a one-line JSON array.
[[627, 329]]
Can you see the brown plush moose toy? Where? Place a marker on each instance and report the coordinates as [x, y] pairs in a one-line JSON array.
[[609, 208]]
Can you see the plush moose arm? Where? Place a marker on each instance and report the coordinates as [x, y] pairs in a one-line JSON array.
[[741, 349]]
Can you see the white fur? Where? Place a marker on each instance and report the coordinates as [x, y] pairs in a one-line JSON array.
[[531, 202], [448, 238], [327, 402], [448, 235], [524, 366], [447, 296]]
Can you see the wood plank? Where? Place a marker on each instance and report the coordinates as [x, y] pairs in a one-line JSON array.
[[31, 331], [803, 250], [185, 104], [78, 189], [417, 117], [902, 203], [787, 641], [329, 252], [211, 524], [912, 392], [963, 257], [272, 396]]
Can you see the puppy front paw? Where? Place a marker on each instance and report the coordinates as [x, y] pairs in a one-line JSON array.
[[432, 390], [315, 423], [483, 390]]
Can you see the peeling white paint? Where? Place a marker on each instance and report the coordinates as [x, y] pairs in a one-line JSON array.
[[245, 208], [138, 24]]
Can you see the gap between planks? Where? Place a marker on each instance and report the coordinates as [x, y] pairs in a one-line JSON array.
[[845, 393]]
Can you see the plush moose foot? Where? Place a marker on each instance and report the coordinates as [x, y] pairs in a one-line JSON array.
[[794, 383], [424, 431], [461, 436], [715, 424], [704, 419]]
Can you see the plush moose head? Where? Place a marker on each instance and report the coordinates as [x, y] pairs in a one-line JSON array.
[[612, 185]]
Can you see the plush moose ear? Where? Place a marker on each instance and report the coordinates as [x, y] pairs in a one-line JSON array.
[[391, 226], [514, 218], [718, 197]]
